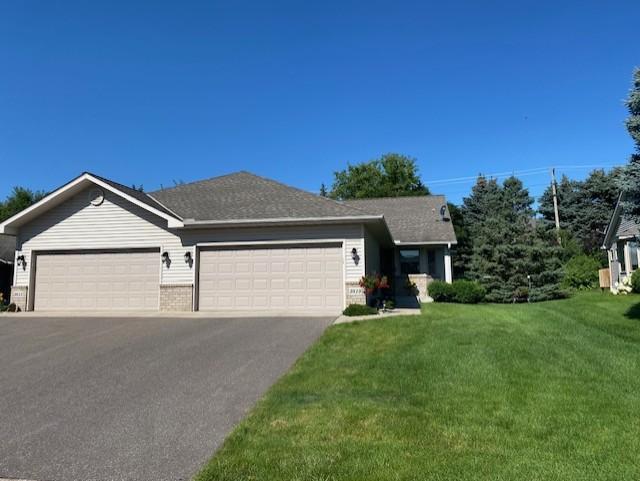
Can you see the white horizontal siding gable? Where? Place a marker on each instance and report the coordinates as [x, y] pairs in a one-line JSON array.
[[76, 224]]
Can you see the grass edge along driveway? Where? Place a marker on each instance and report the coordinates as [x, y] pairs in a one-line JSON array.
[[547, 391]]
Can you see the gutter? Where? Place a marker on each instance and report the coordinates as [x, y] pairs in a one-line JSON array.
[[426, 243], [198, 224]]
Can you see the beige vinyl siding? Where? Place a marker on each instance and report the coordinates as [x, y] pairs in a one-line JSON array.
[[115, 224], [350, 234], [76, 225]]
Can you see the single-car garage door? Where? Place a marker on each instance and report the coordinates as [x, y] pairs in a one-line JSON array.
[[103, 281], [296, 278]]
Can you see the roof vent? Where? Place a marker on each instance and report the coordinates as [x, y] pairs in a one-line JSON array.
[[443, 213]]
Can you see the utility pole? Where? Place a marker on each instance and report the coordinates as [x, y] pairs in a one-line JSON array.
[[555, 204]]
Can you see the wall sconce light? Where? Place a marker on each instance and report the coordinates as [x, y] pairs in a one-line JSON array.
[[187, 258], [21, 261], [355, 256], [165, 258]]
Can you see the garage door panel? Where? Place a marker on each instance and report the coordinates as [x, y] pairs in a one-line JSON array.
[[271, 278], [110, 280]]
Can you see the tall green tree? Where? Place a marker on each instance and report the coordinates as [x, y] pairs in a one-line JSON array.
[[629, 181], [19, 199], [462, 250], [392, 175], [507, 253], [585, 208]]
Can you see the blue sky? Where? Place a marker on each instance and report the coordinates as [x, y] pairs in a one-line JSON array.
[[152, 92]]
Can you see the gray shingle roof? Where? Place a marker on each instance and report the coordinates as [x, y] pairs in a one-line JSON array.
[[245, 196], [136, 194], [7, 248], [627, 228], [411, 219]]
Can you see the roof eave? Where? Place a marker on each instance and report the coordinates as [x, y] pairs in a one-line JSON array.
[[614, 218], [199, 224], [11, 225], [420, 243]]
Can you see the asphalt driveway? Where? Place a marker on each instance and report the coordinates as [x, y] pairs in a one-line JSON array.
[[133, 399]]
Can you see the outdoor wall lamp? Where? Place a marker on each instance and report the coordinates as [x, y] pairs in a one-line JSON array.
[[187, 257], [165, 258], [355, 256], [21, 261]]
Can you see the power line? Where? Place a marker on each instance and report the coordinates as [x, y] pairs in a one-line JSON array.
[[520, 173]]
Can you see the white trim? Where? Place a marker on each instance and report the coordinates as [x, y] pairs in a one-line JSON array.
[[190, 223], [269, 242], [344, 275], [6, 227], [606, 243], [426, 243]]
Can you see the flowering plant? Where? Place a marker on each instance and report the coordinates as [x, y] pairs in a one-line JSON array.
[[371, 283], [623, 287]]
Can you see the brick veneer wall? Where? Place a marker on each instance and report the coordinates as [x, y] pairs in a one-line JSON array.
[[19, 297], [176, 298]]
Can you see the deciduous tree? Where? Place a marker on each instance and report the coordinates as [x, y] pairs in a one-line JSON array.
[[392, 175], [19, 199]]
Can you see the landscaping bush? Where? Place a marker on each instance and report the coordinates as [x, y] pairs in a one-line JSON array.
[[359, 310], [635, 281], [581, 272], [462, 291], [467, 292], [440, 291]]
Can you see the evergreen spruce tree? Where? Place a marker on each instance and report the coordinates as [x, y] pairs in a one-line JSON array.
[[509, 256], [630, 179], [585, 208]]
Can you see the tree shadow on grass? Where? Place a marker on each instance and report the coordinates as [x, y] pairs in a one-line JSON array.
[[633, 312]]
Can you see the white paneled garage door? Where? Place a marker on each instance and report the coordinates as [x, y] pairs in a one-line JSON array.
[[100, 281], [297, 278]]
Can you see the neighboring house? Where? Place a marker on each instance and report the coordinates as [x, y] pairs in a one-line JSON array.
[[7, 255], [238, 242], [621, 243]]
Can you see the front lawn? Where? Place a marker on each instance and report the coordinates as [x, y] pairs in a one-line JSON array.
[[547, 391]]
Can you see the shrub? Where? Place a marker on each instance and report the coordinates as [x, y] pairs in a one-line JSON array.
[[440, 291], [462, 291], [359, 310], [468, 292], [521, 294], [635, 281], [581, 272]]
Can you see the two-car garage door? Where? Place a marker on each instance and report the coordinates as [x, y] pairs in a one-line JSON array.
[[275, 278], [97, 281], [300, 278]]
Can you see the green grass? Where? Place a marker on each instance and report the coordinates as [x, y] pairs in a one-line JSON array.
[[547, 391]]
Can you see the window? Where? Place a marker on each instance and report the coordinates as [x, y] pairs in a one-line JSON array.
[[409, 261]]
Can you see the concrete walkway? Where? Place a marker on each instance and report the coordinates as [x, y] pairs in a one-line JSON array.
[[381, 315]]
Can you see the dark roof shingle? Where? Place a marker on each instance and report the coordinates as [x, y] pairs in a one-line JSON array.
[[412, 219], [627, 228], [245, 196], [136, 194]]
